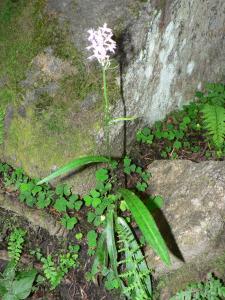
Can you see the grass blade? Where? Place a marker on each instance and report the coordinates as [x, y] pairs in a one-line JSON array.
[[110, 240], [77, 163], [101, 258], [146, 224]]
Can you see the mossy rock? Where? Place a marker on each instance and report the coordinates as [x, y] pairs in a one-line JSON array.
[[51, 96]]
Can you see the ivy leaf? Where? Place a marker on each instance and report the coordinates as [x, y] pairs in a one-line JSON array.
[[145, 176], [78, 205], [177, 145], [36, 190], [94, 193], [42, 201], [88, 200], [102, 174], [69, 222], [90, 217], [126, 162], [92, 241], [141, 186], [67, 190], [73, 198], [59, 189], [60, 204], [96, 202], [79, 236]]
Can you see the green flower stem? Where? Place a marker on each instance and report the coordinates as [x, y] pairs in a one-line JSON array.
[[106, 108], [122, 119]]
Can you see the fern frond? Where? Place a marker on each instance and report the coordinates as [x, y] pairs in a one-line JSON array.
[[135, 275], [214, 123], [15, 244]]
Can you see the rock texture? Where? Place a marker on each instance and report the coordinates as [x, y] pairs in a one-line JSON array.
[[171, 53], [192, 219], [53, 96]]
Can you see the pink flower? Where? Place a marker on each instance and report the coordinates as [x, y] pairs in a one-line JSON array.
[[102, 44]]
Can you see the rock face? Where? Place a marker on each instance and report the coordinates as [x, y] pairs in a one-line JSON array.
[[171, 53], [53, 96], [192, 219]]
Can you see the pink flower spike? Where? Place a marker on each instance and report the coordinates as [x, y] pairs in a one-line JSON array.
[[102, 44]]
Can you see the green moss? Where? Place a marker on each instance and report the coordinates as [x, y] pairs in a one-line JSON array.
[[37, 149], [24, 31], [53, 131]]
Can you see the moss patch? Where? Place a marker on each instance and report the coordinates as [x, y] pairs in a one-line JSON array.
[[24, 31], [50, 129], [31, 145]]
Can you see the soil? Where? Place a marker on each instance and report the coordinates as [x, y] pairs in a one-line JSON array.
[[74, 285]]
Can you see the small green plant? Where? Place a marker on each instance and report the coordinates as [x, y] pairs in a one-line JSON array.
[[135, 275], [143, 177], [213, 114], [92, 241], [104, 203], [14, 284], [200, 126], [53, 271], [15, 244], [212, 289]]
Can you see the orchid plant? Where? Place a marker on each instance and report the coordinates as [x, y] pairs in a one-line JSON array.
[[102, 45], [116, 228]]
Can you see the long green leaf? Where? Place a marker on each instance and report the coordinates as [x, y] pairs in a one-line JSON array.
[[101, 258], [110, 241], [146, 224], [77, 163]]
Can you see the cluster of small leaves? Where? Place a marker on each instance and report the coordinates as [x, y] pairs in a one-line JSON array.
[[12, 177], [67, 202], [15, 244], [189, 131], [135, 275], [213, 289], [14, 284], [130, 168], [99, 198], [53, 271], [42, 196]]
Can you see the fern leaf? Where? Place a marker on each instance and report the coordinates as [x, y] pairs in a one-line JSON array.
[[214, 122], [136, 274], [15, 244]]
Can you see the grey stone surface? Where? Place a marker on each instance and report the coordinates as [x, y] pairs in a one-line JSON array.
[[172, 52], [82, 15], [192, 220]]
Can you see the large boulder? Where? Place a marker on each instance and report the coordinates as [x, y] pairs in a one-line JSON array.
[[171, 52], [192, 220], [53, 96]]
